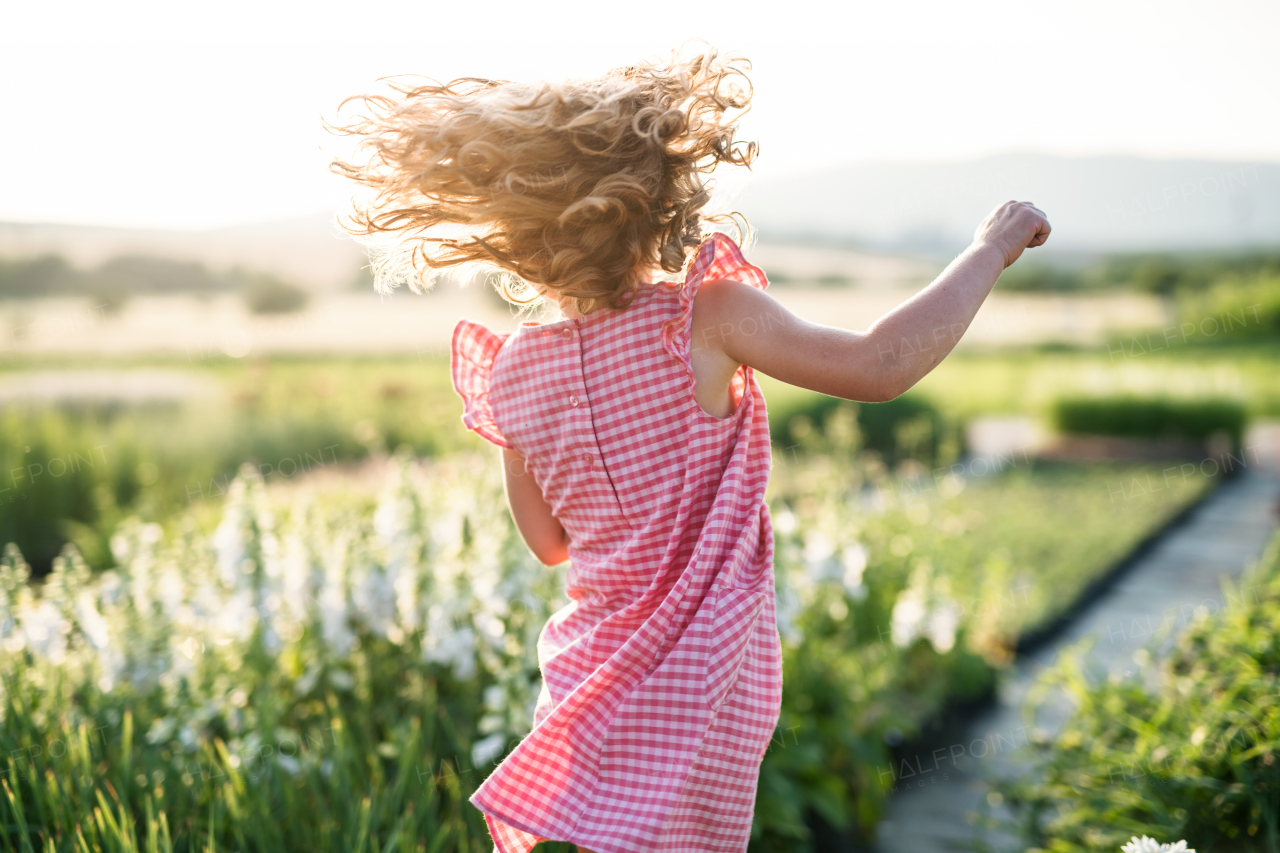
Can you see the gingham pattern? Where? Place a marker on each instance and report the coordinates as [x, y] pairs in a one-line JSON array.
[[663, 676]]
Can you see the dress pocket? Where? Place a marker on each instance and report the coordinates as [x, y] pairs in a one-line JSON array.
[[736, 615]]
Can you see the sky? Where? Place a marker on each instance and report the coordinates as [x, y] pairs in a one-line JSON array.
[[194, 116]]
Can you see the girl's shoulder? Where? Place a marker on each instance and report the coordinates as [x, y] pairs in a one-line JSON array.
[[473, 350]]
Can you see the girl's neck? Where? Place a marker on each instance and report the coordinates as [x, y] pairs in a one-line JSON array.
[[569, 310], [566, 305]]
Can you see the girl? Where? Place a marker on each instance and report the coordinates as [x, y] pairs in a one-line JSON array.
[[633, 433]]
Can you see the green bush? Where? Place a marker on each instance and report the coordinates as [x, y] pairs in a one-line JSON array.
[[1195, 757], [1133, 416], [907, 427], [1168, 275], [1042, 278], [61, 477], [1234, 308], [146, 274], [47, 275], [267, 294], [156, 459], [113, 280], [1161, 274]]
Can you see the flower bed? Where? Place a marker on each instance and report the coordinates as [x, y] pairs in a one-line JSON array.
[[339, 673]]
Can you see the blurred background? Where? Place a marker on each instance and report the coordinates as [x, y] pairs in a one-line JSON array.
[[241, 504]]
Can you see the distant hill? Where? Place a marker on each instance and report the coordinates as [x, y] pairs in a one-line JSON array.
[[1095, 203], [308, 251]]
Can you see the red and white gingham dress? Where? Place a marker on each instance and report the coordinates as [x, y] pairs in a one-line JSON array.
[[662, 679]]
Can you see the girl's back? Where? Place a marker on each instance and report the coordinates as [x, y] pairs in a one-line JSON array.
[[666, 665]]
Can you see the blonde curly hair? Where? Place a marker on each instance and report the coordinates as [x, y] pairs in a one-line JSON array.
[[579, 189]]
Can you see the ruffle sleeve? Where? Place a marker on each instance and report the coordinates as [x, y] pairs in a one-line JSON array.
[[470, 364], [718, 257]]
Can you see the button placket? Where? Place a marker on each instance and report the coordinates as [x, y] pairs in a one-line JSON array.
[[579, 412], [576, 401]]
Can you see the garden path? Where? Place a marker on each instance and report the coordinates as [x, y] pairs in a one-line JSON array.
[[932, 807]]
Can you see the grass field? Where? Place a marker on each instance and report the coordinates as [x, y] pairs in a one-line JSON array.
[[291, 414], [218, 619]]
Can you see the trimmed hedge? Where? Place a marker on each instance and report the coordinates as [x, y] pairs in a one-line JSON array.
[[1149, 417]]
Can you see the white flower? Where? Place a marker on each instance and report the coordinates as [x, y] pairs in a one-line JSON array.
[[854, 558], [787, 610], [486, 749], [1150, 845], [818, 548], [924, 609], [450, 645], [944, 619], [169, 588], [333, 620], [372, 595], [245, 543], [237, 617], [909, 614], [230, 540], [785, 522], [332, 601], [45, 631], [92, 625]]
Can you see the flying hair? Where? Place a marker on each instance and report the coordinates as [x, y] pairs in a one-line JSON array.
[[579, 189]]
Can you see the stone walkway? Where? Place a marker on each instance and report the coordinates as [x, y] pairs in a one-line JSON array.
[[930, 812]]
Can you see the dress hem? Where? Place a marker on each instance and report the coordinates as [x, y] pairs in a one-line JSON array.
[[489, 811]]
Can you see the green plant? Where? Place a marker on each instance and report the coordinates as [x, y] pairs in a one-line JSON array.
[[1192, 753]]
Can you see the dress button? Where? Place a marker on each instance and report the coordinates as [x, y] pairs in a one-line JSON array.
[[573, 401], [568, 334], [589, 459]]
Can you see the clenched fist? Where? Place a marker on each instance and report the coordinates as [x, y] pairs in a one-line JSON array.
[[1012, 227]]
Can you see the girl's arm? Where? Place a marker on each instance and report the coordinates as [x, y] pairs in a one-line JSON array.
[[541, 531], [734, 323]]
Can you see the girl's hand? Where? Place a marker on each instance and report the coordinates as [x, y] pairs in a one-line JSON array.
[[1012, 227]]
